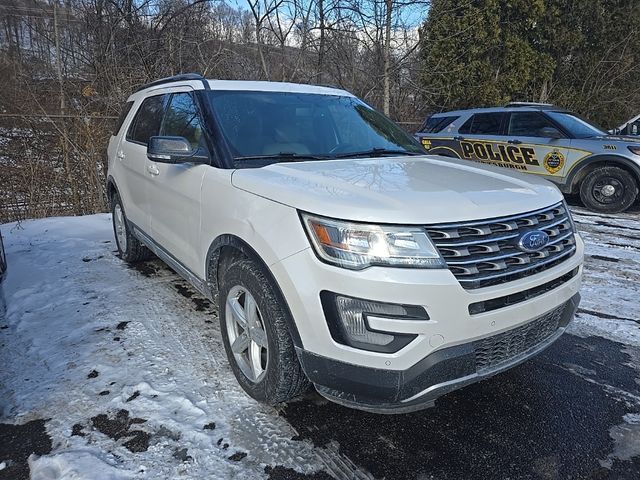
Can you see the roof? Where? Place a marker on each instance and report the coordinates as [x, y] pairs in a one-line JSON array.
[[198, 82], [512, 107]]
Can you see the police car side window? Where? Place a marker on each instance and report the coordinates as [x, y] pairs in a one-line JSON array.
[[483, 124], [437, 124], [527, 124]]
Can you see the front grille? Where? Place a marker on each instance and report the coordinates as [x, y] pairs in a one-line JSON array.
[[484, 253], [523, 296], [493, 351]]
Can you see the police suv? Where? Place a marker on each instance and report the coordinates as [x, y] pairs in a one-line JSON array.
[[543, 140]]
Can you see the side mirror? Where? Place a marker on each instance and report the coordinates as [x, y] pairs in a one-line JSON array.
[[175, 150], [551, 132]]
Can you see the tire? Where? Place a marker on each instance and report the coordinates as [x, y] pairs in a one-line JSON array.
[[608, 190], [3, 258], [279, 376], [130, 248]]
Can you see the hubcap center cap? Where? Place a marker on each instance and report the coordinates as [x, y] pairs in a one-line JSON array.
[[608, 190]]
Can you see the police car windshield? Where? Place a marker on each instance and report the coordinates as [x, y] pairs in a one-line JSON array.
[[577, 127], [284, 126]]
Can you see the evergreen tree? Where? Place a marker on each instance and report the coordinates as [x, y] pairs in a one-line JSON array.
[[581, 55]]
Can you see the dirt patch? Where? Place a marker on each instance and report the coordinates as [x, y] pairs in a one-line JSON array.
[[17, 442], [119, 426], [122, 325], [201, 304], [144, 268], [135, 395], [282, 473], [236, 457]]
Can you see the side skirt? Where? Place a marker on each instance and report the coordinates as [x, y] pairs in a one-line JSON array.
[[197, 283]]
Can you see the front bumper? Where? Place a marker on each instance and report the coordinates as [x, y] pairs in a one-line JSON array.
[[447, 369]]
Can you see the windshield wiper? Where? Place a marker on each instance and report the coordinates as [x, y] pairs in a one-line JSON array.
[[283, 157], [376, 152]]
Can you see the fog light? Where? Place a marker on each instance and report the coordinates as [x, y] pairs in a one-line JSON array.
[[348, 324], [351, 312]]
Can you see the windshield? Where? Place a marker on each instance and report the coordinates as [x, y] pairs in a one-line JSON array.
[[291, 126], [576, 126]]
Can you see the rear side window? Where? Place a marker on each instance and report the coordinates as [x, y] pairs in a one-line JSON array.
[[528, 124], [147, 121], [483, 124], [123, 114], [182, 119], [437, 124]]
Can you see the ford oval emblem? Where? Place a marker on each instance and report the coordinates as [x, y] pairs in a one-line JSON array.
[[533, 241]]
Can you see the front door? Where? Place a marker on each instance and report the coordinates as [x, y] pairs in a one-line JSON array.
[[174, 189], [547, 156]]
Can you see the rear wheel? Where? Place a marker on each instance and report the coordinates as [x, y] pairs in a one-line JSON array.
[[253, 322], [130, 248], [608, 190]]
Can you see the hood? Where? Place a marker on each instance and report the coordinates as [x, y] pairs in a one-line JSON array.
[[400, 190]]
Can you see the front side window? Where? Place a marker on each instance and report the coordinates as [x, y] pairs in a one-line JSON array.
[[303, 124], [528, 124], [182, 119], [483, 124], [147, 121]]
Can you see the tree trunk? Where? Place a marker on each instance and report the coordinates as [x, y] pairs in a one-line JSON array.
[[63, 111], [387, 58], [321, 46]]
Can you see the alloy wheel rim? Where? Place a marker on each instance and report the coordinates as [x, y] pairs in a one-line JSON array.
[[608, 190], [120, 227], [246, 332]]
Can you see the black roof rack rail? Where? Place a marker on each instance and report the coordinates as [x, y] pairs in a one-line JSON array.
[[176, 78], [530, 104]]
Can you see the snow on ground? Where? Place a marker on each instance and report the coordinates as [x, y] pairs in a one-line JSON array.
[[610, 305], [131, 372], [129, 367]]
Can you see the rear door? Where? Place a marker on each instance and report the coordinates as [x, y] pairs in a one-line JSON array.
[[174, 189], [131, 155], [545, 156]]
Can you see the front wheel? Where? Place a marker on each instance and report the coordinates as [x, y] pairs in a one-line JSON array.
[[608, 190], [253, 322]]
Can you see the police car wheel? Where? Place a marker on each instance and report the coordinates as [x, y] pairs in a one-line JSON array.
[[608, 190]]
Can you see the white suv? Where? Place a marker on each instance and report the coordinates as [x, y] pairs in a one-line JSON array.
[[339, 254]]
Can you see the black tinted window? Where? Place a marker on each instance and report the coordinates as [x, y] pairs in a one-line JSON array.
[[123, 115], [148, 120], [437, 124], [182, 119], [528, 124], [483, 124]]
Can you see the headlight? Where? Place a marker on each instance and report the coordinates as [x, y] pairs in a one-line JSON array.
[[635, 149], [359, 245]]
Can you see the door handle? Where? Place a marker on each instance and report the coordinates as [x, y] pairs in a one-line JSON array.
[[153, 170], [458, 138], [120, 155], [514, 142]]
